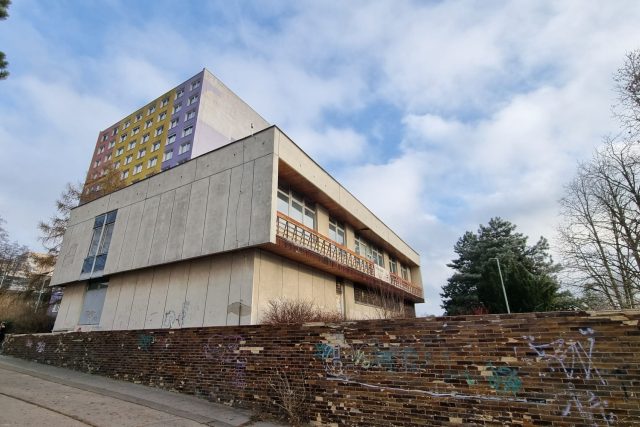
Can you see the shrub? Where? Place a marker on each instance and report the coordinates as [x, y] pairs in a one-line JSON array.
[[17, 311], [287, 312]]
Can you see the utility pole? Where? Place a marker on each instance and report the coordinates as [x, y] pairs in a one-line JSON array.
[[504, 291]]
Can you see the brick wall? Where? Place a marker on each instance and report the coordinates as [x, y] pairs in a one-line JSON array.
[[525, 369]]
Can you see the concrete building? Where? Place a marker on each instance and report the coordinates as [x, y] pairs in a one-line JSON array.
[[213, 240], [195, 117]]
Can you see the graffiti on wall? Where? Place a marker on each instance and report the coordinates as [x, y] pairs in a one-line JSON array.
[[574, 360], [40, 346], [171, 319], [145, 341], [347, 362], [225, 350]]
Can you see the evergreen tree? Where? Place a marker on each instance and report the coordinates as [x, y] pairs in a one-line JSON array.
[[4, 5], [529, 273]]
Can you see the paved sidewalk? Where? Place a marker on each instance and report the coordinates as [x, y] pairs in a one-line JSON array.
[[32, 394]]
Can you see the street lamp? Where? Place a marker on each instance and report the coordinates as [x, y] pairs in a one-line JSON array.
[[504, 291]]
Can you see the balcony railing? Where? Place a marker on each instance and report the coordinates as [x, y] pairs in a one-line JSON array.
[[304, 237]]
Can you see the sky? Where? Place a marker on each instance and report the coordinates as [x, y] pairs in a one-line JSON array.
[[437, 115]]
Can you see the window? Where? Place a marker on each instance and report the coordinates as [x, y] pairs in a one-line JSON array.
[[93, 303], [116, 165], [109, 156], [336, 231], [138, 117], [393, 266], [120, 151], [155, 146], [369, 251], [190, 115], [295, 206], [187, 131], [96, 163], [142, 153], [405, 273], [132, 145], [123, 137], [164, 102], [99, 247], [152, 162], [135, 130], [126, 124], [151, 110], [145, 138], [104, 137], [124, 174], [167, 156], [148, 124], [137, 169], [173, 123], [179, 93], [192, 100], [128, 159], [195, 84], [101, 149], [184, 148], [112, 144], [177, 107], [162, 116], [171, 139], [159, 130]]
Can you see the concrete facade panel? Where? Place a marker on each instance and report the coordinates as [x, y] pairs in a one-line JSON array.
[[89, 211], [141, 299], [110, 303], [125, 301], [262, 219], [70, 307], [290, 279], [158, 297], [178, 226], [195, 219], [233, 222], [117, 240], [222, 159], [161, 229], [240, 290], [171, 179], [243, 214], [128, 251], [145, 235], [197, 292], [128, 195], [216, 213], [176, 306], [215, 312]]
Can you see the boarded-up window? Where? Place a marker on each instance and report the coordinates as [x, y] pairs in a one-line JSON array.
[[93, 303]]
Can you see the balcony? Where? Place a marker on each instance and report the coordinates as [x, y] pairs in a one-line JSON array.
[[307, 246]]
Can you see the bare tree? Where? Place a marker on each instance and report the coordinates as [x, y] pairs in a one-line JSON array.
[[52, 231], [108, 182], [14, 259], [600, 234], [627, 84]]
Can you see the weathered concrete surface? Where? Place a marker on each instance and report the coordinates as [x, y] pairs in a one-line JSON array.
[[35, 395]]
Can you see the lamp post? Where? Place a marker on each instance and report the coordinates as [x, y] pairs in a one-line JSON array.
[[504, 291]]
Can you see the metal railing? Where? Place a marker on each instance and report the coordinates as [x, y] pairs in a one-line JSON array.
[[300, 235]]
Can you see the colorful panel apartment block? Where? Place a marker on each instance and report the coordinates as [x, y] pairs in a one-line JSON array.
[[195, 117]]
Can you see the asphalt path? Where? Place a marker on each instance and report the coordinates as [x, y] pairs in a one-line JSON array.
[[39, 395]]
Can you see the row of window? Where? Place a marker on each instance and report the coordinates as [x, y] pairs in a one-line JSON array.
[[295, 206]]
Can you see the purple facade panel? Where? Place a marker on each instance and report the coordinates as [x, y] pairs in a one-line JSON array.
[[185, 111]]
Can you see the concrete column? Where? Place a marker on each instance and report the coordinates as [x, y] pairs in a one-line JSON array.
[[350, 236], [322, 220]]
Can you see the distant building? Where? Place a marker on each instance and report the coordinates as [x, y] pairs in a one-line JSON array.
[[213, 240], [195, 117]]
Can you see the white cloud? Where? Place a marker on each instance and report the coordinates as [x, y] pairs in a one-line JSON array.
[[497, 100]]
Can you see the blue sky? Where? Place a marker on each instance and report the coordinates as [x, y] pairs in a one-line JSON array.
[[437, 115]]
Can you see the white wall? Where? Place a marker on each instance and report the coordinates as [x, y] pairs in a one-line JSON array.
[[218, 202], [209, 291]]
